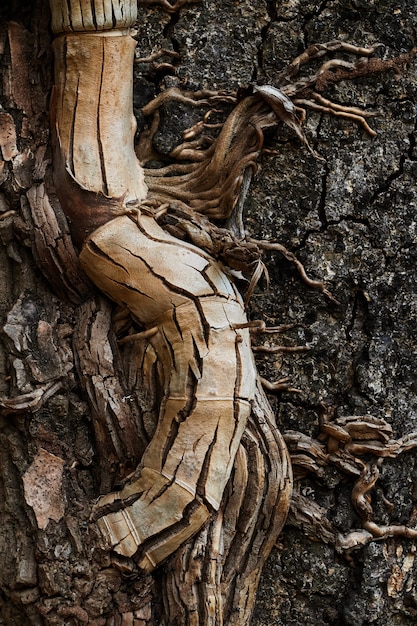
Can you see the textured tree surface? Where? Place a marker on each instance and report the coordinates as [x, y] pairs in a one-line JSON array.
[[349, 217]]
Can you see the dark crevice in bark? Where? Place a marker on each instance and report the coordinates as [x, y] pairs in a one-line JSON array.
[[385, 187]]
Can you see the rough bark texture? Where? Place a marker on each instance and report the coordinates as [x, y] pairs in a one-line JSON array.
[[350, 219]]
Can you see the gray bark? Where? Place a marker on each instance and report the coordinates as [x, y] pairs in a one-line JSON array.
[[350, 218]]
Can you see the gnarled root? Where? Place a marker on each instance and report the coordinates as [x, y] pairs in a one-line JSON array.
[[211, 179], [218, 569], [341, 443]]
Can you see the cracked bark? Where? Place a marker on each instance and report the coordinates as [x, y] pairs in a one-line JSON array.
[[357, 231]]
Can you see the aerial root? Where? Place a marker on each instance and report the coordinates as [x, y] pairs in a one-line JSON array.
[[362, 504], [315, 51], [162, 66], [274, 349], [260, 327], [278, 385], [203, 97], [337, 110], [32, 401], [290, 256], [207, 173], [340, 444]]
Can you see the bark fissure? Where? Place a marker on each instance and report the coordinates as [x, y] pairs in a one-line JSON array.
[[100, 145]]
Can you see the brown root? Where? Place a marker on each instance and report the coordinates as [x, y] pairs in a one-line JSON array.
[[341, 443], [210, 175]]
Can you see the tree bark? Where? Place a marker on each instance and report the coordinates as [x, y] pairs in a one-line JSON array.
[[79, 409]]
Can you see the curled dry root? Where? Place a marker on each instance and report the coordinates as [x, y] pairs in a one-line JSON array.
[[209, 175], [342, 443]]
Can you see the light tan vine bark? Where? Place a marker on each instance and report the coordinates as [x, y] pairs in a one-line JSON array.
[[92, 111], [210, 486]]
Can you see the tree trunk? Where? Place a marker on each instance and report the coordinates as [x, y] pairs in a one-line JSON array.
[[80, 400]]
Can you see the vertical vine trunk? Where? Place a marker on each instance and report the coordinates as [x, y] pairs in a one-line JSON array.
[[194, 322], [92, 112]]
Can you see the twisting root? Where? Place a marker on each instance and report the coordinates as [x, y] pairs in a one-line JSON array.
[[314, 284], [362, 503], [341, 443], [317, 50], [210, 176], [350, 113], [150, 247], [159, 67]]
